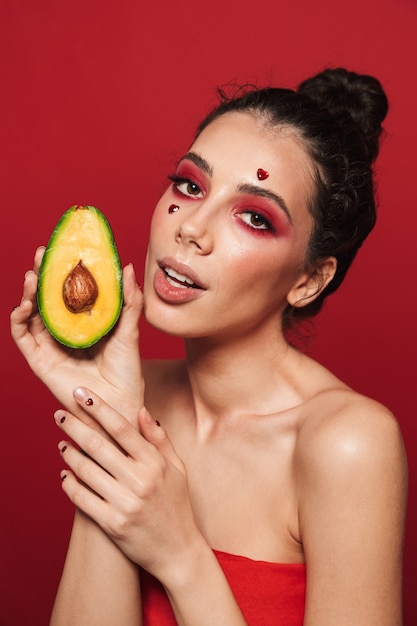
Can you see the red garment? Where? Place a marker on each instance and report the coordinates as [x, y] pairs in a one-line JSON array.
[[269, 594]]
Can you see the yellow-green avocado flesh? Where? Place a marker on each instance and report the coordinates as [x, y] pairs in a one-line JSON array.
[[80, 291]]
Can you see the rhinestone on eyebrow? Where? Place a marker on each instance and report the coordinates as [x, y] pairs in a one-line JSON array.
[[262, 174]]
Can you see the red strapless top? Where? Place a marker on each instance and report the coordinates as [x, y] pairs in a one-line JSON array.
[[269, 594]]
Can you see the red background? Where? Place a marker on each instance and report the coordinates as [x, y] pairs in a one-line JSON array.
[[98, 98]]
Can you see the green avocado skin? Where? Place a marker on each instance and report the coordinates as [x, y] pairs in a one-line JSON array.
[[49, 291]]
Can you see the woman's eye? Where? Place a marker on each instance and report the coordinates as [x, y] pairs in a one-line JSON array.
[[255, 220], [189, 188], [186, 187]]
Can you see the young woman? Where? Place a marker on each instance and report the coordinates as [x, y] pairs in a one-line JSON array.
[[245, 484]]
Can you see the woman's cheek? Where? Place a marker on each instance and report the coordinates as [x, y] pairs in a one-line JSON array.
[[159, 216]]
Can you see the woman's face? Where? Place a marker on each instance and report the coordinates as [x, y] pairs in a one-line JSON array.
[[223, 259]]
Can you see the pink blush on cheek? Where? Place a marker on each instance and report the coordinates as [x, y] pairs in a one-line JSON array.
[[161, 210]]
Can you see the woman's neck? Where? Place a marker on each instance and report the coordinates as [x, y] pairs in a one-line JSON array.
[[242, 376]]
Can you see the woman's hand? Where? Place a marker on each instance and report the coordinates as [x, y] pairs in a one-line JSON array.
[[112, 366], [137, 491]]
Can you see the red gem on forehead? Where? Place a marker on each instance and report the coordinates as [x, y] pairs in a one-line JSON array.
[[262, 174]]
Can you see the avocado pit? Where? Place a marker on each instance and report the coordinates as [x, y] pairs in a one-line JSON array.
[[80, 289]]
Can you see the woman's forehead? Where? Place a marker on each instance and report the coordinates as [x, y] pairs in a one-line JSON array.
[[246, 127], [248, 142]]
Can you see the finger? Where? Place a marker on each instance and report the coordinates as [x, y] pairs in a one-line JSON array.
[[83, 498], [24, 313], [153, 432], [19, 316], [96, 446], [87, 470], [38, 258], [30, 283], [132, 292], [19, 326], [115, 424], [128, 329], [27, 306], [30, 286]]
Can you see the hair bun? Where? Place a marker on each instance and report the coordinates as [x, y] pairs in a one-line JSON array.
[[361, 96]]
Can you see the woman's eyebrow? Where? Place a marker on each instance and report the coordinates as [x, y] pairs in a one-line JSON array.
[[255, 190], [199, 161]]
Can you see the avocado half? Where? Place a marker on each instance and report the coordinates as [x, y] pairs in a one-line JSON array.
[[80, 290]]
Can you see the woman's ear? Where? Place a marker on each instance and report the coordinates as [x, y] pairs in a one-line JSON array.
[[311, 284]]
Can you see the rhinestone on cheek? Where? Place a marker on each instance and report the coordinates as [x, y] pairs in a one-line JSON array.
[[173, 208]]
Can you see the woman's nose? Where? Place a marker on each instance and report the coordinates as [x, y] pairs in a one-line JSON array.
[[195, 228]]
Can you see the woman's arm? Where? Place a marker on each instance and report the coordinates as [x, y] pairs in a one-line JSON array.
[[145, 509], [99, 585], [199, 592], [351, 472]]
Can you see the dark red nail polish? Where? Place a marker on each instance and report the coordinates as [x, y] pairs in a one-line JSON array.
[[63, 449], [62, 420], [63, 477], [89, 402]]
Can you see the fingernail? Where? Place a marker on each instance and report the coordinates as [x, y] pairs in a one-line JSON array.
[[63, 476], [59, 416], [81, 395], [62, 450]]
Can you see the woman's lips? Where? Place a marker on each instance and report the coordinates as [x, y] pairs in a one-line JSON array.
[[174, 278], [175, 282]]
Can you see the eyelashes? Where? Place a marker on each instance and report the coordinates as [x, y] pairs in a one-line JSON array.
[[256, 221], [185, 186]]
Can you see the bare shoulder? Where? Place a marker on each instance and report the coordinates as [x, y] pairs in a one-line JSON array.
[[346, 427], [338, 424], [350, 451], [351, 482]]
